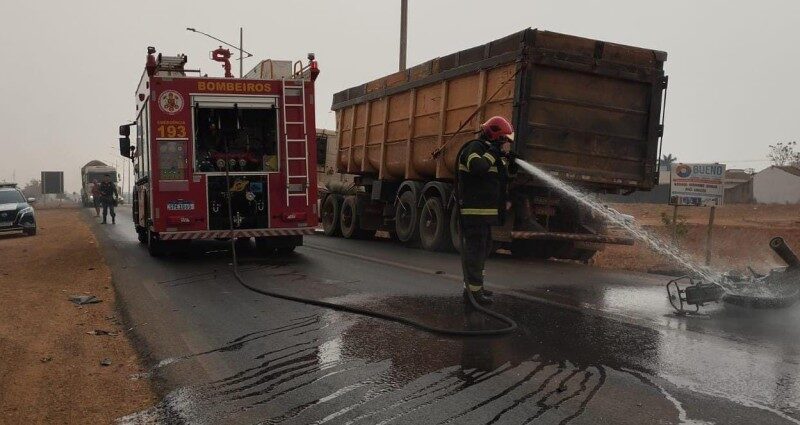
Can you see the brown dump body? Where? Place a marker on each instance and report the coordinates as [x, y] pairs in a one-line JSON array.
[[585, 109]]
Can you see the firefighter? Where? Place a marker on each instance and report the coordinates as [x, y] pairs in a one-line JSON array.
[[108, 198], [484, 167], [96, 197]]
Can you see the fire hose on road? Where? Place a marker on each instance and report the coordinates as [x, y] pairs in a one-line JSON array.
[[512, 325]]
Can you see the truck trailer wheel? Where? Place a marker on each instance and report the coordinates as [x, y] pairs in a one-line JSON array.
[[455, 229], [406, 218], [434, 226], [330, 214], [349, 222]]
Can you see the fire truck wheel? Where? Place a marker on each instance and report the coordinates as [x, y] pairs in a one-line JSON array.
[[434, 226], [155, 246], [285, 250], [282, 245], [455, 229], [349, 222], [406, 218], [141, 232], [329, 215]]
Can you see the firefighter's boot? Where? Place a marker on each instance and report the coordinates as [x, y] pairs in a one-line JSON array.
[[479, 296]]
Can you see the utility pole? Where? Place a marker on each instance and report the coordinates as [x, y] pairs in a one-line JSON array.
[[241, 54], [403, 33]]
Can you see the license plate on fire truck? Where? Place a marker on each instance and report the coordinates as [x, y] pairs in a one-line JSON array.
[[180, 206]]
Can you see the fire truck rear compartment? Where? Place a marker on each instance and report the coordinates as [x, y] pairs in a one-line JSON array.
[[253, 147], [249, 207]]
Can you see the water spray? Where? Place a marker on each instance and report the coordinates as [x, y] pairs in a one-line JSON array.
[[779, 288]]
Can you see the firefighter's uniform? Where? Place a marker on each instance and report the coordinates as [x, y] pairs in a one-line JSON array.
[[483, 173], [108, 196]]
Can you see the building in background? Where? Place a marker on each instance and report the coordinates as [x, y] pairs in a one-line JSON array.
[[739, 186], [777, 185]]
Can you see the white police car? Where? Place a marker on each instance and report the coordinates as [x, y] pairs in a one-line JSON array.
[[16, 213]]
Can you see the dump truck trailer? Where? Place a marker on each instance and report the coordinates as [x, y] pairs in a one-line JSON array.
[[587, 111]]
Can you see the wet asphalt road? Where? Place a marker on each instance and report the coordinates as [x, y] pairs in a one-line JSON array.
[[594, 346]]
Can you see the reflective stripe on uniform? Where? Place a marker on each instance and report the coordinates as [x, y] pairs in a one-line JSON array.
[[470, 158], [479, 211], [475, 288], [489, 157], [462, 167], [493, 169]]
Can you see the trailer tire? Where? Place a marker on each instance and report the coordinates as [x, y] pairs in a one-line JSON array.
[[155, 246], [406, 218], [434, 226], [330, 215], [349, 222], [455, 229]]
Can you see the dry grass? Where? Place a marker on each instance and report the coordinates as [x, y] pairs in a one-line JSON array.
[[50, 368], [740, 237]]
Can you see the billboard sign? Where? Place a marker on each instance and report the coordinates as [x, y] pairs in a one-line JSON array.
[[52, 182], [697, 184]]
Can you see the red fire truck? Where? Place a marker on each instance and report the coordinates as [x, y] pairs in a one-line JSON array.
[[202, 142]]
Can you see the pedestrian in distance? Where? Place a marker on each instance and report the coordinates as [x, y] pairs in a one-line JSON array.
[[96, 197], [484, 168], [108, 198]]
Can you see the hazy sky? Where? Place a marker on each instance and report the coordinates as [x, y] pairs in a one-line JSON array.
[[70, 67]]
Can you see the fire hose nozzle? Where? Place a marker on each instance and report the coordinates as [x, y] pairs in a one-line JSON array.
[[787, 255]]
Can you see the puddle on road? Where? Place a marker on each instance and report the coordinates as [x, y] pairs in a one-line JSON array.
[[335, 368], [562, 365]]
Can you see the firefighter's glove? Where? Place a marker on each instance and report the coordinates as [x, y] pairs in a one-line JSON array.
[[495, 151], [512, 163]]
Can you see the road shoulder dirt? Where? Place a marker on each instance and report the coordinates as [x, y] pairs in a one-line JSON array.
[[50, 354]]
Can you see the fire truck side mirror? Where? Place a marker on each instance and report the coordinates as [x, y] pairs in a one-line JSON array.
[[125, 147], [125, 130]]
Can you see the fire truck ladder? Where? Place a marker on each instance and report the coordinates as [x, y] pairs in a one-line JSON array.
[[291, 129]]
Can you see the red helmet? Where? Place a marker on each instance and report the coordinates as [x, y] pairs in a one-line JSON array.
[[496, 127]]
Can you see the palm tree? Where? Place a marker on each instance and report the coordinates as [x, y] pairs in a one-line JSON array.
[[668, 159]]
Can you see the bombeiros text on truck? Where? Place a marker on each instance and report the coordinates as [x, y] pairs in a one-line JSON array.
[[585, 110], [194, 133]]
